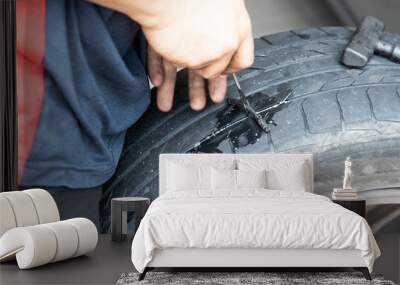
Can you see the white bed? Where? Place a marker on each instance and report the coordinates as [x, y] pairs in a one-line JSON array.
[[279, 225]]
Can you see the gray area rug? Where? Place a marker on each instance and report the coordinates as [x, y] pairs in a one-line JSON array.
[[269, 278]]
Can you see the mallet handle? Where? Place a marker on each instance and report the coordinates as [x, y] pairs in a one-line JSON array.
[[387, 49]]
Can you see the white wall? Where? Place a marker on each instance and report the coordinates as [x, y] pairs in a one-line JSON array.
[[352, 11], [272, 16]]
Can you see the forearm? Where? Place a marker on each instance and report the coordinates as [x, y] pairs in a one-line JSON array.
[[144, 12]]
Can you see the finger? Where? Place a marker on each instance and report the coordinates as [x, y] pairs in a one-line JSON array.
[[165, 92], [154, 64], [197, 92], [217, 88], [244, 56], [215, 68]]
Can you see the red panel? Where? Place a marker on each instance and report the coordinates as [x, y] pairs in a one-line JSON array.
[[30, 80]]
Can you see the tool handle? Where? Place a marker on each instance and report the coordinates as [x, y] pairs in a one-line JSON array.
[[390, 50]]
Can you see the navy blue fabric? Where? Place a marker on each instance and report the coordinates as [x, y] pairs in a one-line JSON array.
[[96, 87]]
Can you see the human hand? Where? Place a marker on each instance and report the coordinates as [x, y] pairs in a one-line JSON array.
[[216, 40], [208, 36], [163, 75], [211, 38]]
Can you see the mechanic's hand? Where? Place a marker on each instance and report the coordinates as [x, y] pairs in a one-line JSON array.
[[210, 37], [163, 75]]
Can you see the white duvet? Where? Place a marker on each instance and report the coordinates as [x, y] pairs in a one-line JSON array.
[[250, 219]]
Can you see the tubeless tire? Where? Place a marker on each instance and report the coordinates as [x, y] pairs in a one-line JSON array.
[[333, 112]]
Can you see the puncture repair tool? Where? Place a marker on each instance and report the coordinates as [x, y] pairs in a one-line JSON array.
[[245, 104]]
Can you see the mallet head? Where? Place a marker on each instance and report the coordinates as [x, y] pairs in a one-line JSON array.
[[364, 42]]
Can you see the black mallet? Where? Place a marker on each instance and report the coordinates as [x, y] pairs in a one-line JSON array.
[[366, 41]]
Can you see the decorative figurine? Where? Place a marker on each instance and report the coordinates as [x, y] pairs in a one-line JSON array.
[[347, 174]]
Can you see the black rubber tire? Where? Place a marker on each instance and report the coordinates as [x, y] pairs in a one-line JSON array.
[[334, 112]]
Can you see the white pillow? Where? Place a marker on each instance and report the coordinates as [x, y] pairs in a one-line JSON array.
[[251, 178], [227, 179], [282, 174], [223, 179], [181, 177], [290, 177]]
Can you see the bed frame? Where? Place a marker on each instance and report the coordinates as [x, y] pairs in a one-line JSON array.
[[245, 259]]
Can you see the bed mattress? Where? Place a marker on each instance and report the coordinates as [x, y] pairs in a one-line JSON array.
[[250, 219]]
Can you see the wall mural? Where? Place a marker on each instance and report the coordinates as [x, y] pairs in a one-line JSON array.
[[311, 102], [307, 101]]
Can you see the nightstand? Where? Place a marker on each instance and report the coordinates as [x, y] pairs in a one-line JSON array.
[[120, 207], [357, 206]]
